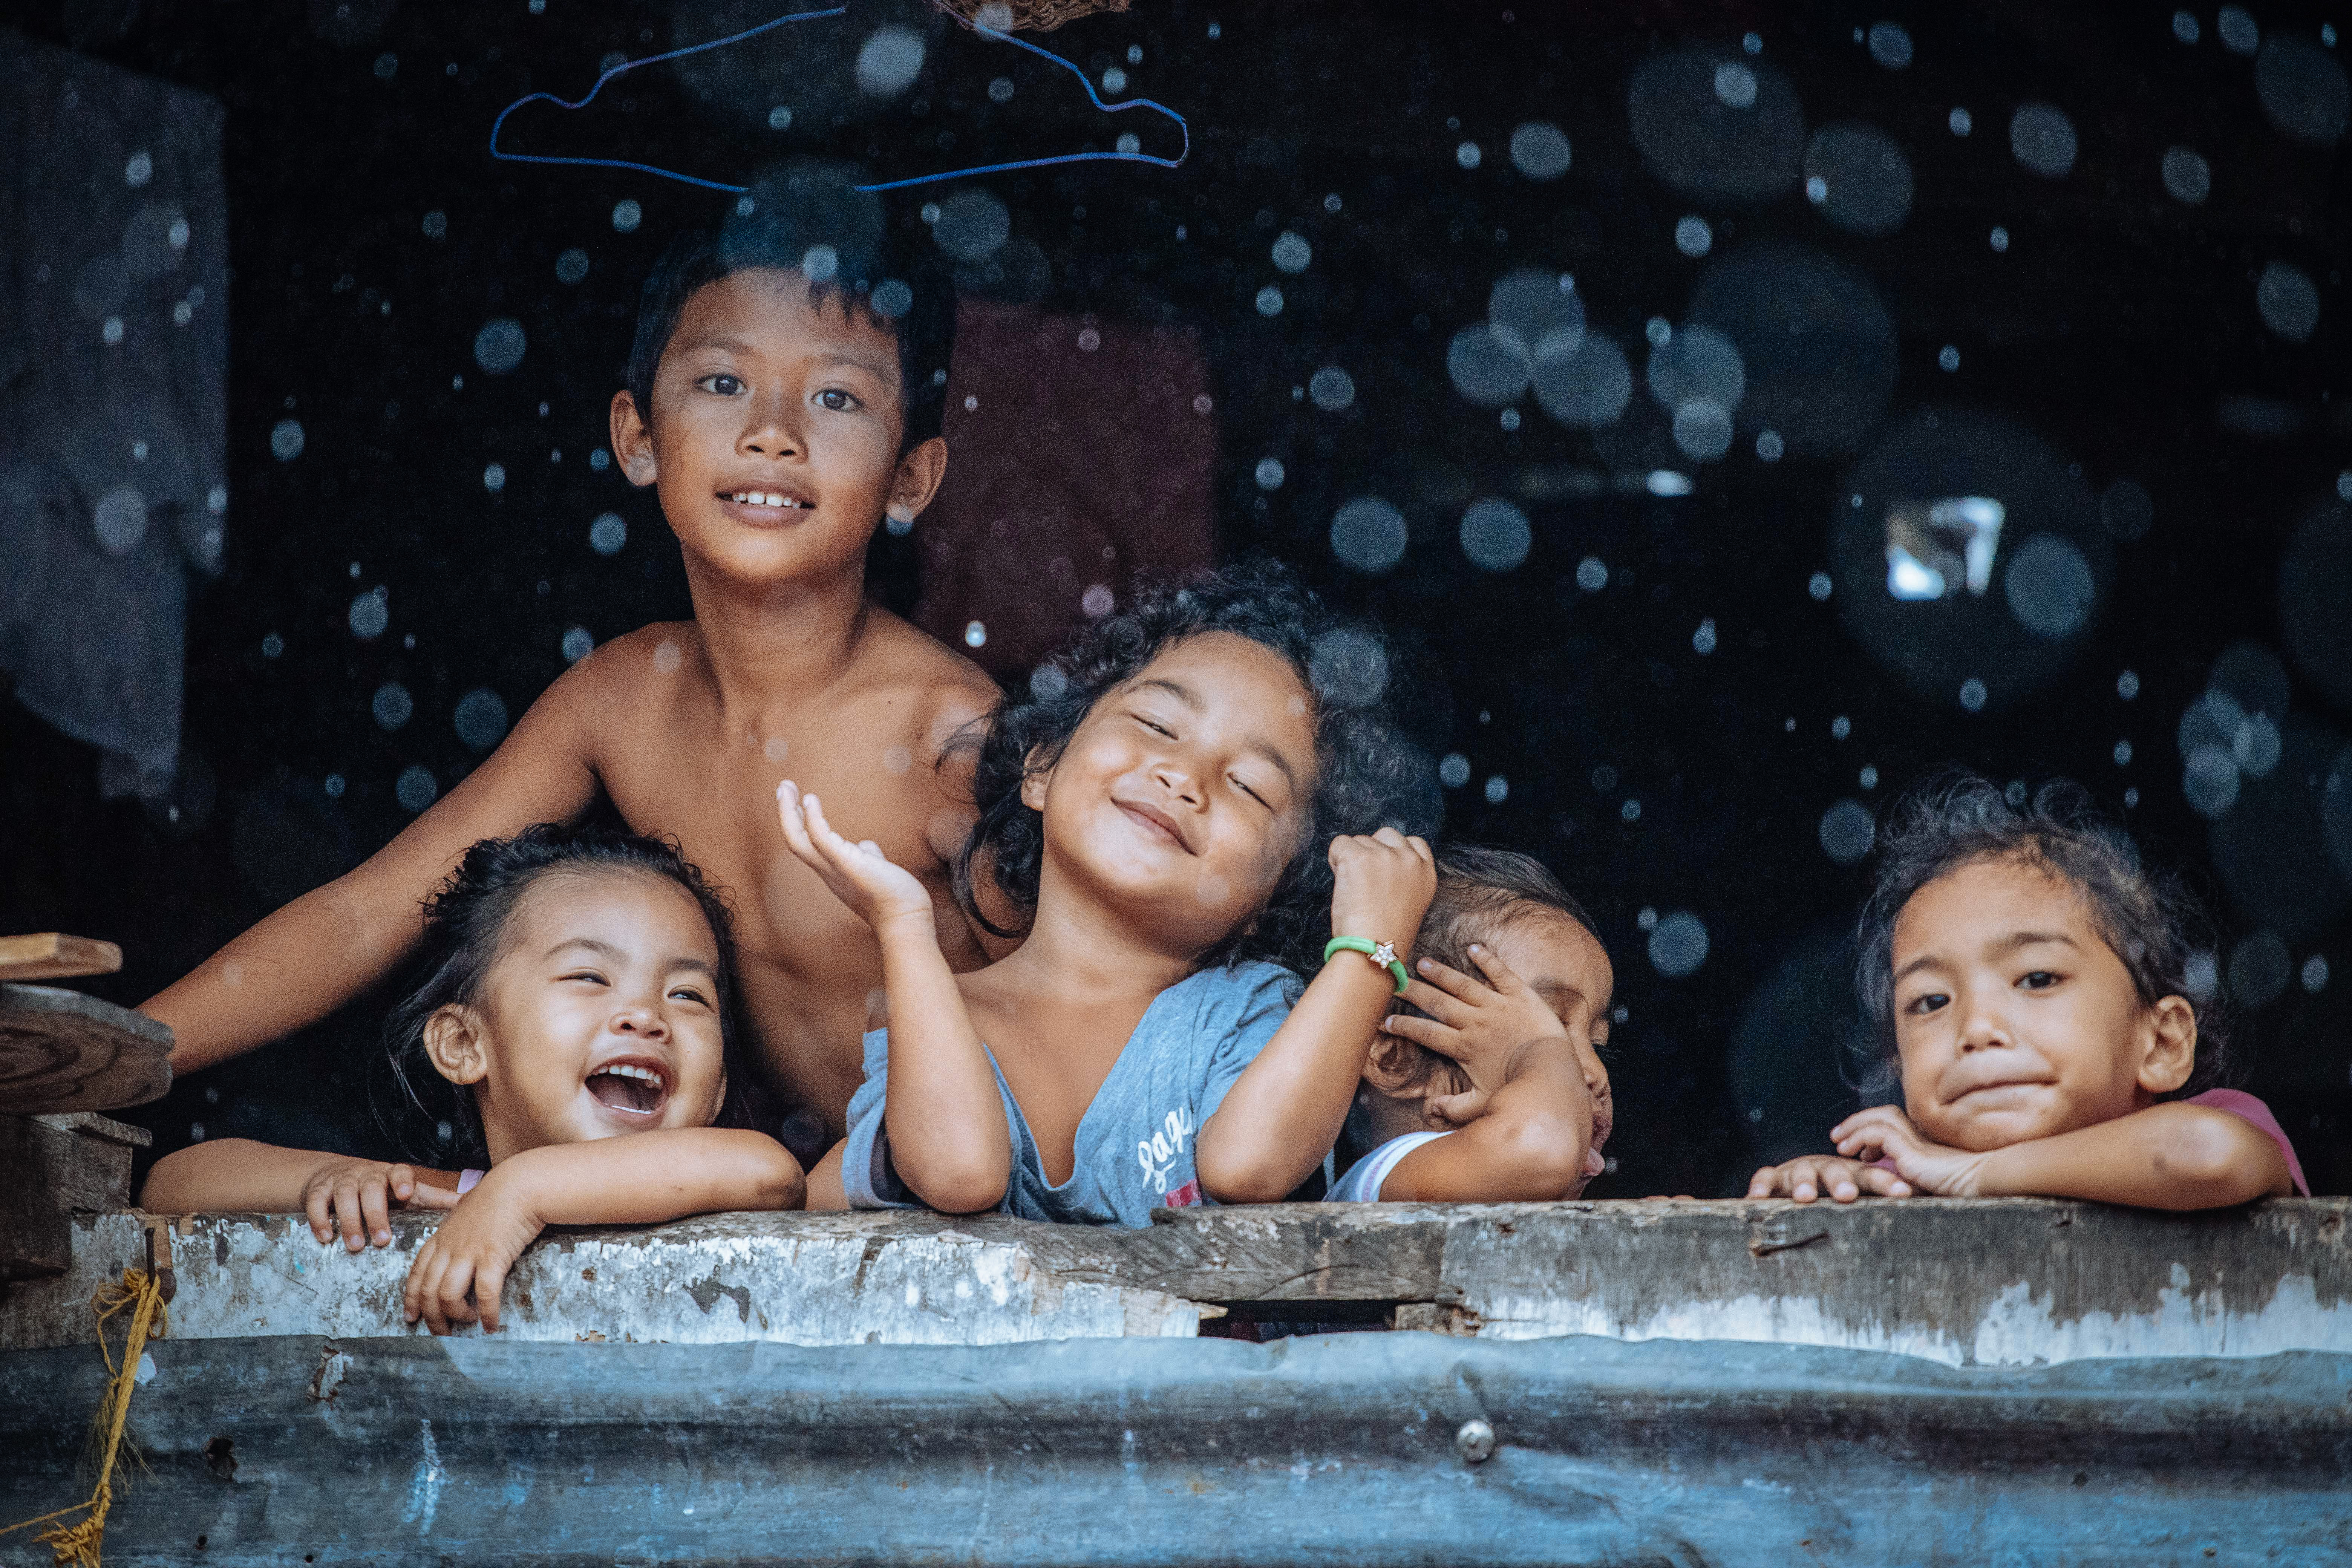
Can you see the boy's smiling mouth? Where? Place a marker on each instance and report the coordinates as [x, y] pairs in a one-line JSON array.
[[631, 1085], [766, 502]]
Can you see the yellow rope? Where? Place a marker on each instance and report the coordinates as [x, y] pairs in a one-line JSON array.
[[143, 1299]]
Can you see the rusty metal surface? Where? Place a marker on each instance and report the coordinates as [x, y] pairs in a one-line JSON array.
[[61, 1050], [2001, 1283], [1363, 1449]]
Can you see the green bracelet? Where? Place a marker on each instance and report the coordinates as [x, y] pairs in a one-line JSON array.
[[1381, 952]]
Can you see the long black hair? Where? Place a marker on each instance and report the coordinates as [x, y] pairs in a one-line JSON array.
[[466, 924], [2156, 926], [1364, 771]]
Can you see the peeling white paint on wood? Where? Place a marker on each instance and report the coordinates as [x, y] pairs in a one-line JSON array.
[[720, 1280]]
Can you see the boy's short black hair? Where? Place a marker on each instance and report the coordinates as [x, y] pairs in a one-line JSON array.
[[2151, 921], [807, 219], [1364, 771]]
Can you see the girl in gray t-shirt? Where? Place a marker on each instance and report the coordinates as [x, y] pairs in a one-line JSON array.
[[1176, 803]]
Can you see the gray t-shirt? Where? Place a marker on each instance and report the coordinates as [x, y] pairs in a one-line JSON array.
[[1134, 1144]]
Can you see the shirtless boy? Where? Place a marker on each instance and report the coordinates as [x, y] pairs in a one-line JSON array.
[[777, 417]]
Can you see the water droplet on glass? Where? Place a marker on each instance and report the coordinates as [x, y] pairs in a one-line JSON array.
[[1961, 121], [2186, 176], [2043, 137], [1269, 473], [1269, 300], [1693, 237], [286, 439], [2288, 301], [120, 518], [370, 613], [975, 635], [1591, 574], [1467, 154], [139, 170], [2184, 27], [891, 61], [577, 645], [416, 790], [627, 215], [1735, 85], [1332, 389], [2240, 35], [1494, 534], [1454, 772], [1678, 946], [1890, 45], [972, 226], [392, 705], [1847, 831], [494, 478], [1703, 639], [498, 346], [1369, 535], [1539, 151], [1972, 694], [1292, 253], [2000, 240], [571, 265], [1949, 357]]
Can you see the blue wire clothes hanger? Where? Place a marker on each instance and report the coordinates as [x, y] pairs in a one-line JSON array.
[[985, 30]]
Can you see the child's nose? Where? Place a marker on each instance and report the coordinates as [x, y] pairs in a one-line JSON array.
[[1177, 779], [640, 1019]]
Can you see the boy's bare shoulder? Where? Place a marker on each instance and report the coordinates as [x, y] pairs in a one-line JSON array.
[[945, 690], [630, 665]]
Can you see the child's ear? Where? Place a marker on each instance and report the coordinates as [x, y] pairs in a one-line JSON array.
[[1034, 778], [1394, 1066], [633, 441], [2168, 1050], [917, 479], [455, 1045]]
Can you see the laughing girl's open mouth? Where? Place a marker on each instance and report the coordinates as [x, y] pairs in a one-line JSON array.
[[632, 1088]]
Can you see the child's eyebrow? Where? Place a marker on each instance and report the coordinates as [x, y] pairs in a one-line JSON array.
[[1183, 693], [2017, 939], [607, 951]]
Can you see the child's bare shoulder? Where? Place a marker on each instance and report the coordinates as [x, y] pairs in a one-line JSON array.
[[942, 691]]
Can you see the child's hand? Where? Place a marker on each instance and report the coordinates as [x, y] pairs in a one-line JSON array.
[[356, 1197], [1481, 1026], [469, 1256], [1884, 1131], [1809, 1177], [1381, 885], [860, 874]]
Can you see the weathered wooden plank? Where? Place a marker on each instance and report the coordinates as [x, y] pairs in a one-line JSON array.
[[61, 1050], [1998, 1281], [53, 955], [1355, 1449], [50, 1167]]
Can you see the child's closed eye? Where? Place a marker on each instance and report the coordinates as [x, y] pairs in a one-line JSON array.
[[589, 975], [688, 993]]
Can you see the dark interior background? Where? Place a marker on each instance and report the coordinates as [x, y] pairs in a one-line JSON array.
[[1664, 770]]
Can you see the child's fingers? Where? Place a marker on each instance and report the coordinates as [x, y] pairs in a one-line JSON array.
[[1445, 1040], [317, 1202], [488, 1280], [449, 1296], [1437, 1003], [1451, 983], [417, 1289], [1460, 1110], [1498, 975], [794, 821], [347, 1211], [402, 1180], [374, 1211], [427, 1197]]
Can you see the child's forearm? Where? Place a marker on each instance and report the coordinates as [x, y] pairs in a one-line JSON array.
[[646, 1178], [948, 1140], [287, 972], [236, 1175], [1529, 1145], [1283, 1112], [2166, 1157]]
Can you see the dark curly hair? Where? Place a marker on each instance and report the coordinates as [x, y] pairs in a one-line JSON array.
[[466, 924], [1364, 771], [2150, 920]]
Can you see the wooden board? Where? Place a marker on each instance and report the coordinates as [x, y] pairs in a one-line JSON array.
[[53, 956], [61, 1050]]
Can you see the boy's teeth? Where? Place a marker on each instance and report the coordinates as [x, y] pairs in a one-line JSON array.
[[764, 498], [626, 1071]]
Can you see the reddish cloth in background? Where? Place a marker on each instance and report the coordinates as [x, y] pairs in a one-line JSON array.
[[1079, 454]]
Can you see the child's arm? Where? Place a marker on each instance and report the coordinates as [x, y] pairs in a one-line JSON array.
[[639, 1178], [233, 1176], [309, 958], [945, 1121], [1529, 1127], [1284, 1111], [2171, 1156]]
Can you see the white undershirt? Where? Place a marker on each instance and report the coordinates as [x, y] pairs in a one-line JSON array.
[[1364, 1179]]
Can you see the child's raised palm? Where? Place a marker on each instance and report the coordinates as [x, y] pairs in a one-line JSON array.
[[860, 874]]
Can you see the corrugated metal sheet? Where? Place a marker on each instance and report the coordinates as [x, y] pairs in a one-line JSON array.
[[1356, 1448]]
